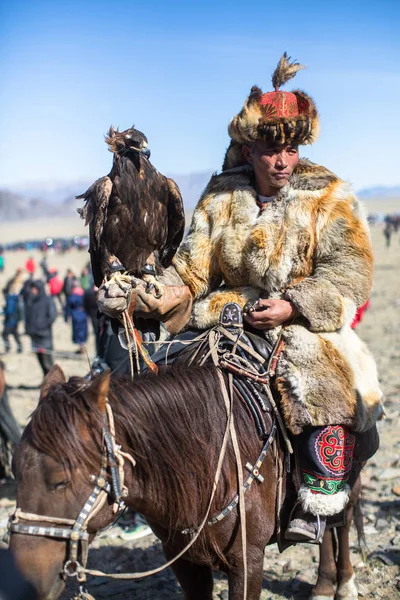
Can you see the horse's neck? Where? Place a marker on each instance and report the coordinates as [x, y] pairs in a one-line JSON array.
[[138, 498]]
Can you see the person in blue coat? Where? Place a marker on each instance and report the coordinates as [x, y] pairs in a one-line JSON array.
[[75, 310], [13, 312]]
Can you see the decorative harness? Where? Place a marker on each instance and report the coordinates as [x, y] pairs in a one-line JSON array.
[[113, 459]]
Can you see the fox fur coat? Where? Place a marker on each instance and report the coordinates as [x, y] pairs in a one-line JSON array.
[[311, 246]]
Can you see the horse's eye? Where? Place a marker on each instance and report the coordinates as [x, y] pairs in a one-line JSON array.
[[60, 485]]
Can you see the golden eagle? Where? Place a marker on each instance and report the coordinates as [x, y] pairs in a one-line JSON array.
[[135, 214], [136, 220]]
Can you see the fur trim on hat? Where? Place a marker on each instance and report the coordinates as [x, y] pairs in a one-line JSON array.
[[251, 123], [255, 122], [321, 504]]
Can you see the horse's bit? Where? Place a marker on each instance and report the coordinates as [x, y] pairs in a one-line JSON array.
[[112, 458]]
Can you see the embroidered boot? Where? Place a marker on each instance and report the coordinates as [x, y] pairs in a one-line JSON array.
[[324, 459]]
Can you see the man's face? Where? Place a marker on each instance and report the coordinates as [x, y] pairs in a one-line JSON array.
[[272, 166]]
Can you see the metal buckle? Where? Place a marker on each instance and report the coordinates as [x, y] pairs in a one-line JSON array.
[[71, 568]]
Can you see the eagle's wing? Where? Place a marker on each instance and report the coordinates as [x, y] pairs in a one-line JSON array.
[[95, 210], [176, 223], [95, 213]]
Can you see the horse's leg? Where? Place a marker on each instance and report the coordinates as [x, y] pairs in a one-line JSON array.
[[255, 562], [196, 580], [324, 588], [346, 589]]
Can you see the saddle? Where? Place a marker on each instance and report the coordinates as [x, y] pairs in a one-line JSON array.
[[249, 361]]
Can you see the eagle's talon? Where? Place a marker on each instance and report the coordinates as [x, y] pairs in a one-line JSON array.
[[158, 290], [135, 282], [121, 280], [149, 287], [153, 284], [154, 288]]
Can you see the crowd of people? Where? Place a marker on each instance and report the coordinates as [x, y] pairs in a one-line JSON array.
[[32, 299], [57, 245], [391, 226]]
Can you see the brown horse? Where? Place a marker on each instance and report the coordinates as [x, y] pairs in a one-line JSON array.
[[173, 425]]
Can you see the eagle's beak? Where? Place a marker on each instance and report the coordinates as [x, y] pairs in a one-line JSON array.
[[146, 152]]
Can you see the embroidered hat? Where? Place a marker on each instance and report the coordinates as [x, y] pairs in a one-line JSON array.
[[277, 117]]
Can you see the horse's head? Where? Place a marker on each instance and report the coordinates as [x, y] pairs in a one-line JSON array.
[[60, 450]]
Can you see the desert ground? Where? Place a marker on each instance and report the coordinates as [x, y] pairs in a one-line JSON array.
[[288, 575]]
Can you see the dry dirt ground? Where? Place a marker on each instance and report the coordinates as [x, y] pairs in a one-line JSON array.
[[287, 575]]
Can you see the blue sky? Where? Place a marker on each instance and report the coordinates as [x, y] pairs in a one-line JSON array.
[[180, 71]]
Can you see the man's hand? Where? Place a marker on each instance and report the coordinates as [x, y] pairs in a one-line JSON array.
[[114, 298], [173, 307], [268, 314]]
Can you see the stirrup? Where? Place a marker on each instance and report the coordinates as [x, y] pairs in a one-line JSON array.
[[297, 533]]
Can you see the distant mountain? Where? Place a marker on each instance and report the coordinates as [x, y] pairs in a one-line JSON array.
[[63, 193], [192, 186], [54, 191], [380, 192], [58, 199], [13, 206], [16, 207]]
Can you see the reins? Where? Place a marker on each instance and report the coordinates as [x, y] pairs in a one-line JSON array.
[[113, 460]]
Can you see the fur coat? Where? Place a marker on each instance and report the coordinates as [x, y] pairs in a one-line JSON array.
[[311, 246]]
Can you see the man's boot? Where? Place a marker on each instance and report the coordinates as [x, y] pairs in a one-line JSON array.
[[323, 460], [305, 527]]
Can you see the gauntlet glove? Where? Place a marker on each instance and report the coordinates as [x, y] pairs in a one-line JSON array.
[[173, 307]]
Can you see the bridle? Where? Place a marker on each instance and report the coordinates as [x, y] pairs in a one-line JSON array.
[[112, 460]]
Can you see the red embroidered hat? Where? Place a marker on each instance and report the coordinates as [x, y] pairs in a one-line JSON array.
[[277, 117]]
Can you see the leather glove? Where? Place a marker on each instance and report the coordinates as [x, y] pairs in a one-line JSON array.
[[173, 307], [114, 299]]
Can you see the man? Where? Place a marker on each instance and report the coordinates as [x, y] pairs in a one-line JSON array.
[[90, 305], [40, 314], [16, 281], [55, 285], [30, 266], [69, 283], [290, 243], [75, 310], [13, 312]]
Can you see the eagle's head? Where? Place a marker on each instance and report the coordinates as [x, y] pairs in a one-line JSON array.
[[124, 142]]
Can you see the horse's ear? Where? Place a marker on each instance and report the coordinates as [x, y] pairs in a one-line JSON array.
[[100, 388], [54, 376]]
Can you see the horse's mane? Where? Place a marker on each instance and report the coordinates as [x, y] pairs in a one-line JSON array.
[[173, 423]]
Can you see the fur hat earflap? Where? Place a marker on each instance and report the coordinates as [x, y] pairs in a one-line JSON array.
[[277, 117]]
